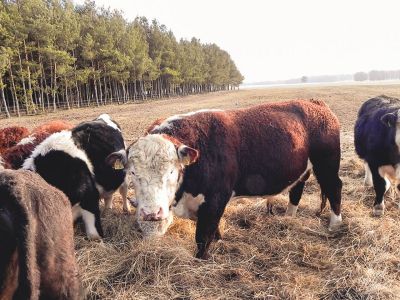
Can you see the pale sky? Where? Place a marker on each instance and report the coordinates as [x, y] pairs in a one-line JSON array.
[[282, 39]]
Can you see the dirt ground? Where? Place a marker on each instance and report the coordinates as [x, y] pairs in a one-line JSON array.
[[262, 255]]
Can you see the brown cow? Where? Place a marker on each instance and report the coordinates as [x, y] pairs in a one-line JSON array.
[[194, 163], [14, 157], [36, 240]]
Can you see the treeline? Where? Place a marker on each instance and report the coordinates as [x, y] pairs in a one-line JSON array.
[[377, 75], [55, 54]]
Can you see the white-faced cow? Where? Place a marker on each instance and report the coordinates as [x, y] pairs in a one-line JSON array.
[[377, 142], [85, 164], [194, 163], [37, 258]]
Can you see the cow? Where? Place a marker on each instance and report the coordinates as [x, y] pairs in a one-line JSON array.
[[192, 164], [37, 258], [14, 157], [85, 164], [377, 142], [10, 136]]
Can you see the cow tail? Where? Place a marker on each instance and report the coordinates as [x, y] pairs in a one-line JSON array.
[[14, 226]]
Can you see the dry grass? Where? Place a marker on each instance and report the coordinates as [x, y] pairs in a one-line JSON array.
[[263, 254]]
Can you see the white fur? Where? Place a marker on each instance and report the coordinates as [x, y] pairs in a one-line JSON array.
[[89, 220], [167, 122], [335, 221], [61, 141], [188, 206], [106, 118], [155, 164], [28, 140], [291, 210], [76, 211], [368, 175]]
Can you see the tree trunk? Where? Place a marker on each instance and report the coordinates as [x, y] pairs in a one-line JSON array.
[[16, 101], [3, 98]]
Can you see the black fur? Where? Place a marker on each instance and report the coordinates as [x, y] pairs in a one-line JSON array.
[[374, 137]]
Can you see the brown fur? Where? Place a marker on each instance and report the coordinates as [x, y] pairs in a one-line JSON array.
[[14, 157], [36, 222], [10, 136]]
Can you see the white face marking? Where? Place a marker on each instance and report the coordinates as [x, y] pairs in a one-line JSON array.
[[368, 175], [167, 122], [106, 118], [335, 221], [291, 210], [28, 140], [155, 167], [188, 206], [89, 220], [61, 141]]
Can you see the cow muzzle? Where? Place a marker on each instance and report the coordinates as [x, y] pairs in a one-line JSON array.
[[156, 215]]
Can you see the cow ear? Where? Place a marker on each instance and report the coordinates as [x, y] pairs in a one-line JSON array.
[[117, 160], [187, 155], [389, 119]]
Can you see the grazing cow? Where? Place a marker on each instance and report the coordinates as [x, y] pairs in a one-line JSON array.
[[85, 164], [194, 163], [14, 157], [10, 136], [37, 259], [377, 142]]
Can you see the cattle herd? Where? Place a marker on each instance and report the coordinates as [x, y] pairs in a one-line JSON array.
[[187, 165]]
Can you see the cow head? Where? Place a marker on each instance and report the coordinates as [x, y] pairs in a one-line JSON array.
[[390, 119], [156, 162]]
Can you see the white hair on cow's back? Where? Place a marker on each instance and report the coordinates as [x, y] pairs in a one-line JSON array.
[[28, 140], [167, 122], [60, 141], [106, 118]]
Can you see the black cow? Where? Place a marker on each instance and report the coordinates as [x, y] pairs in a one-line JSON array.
[[377, 142], [85, 164]]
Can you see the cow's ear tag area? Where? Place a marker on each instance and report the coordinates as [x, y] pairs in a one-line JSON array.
[[118, 165], [187, 155]]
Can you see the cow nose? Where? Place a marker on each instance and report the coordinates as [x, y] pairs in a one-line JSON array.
[[152, 216]]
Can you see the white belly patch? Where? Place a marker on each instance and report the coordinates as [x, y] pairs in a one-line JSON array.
[[188, 206]]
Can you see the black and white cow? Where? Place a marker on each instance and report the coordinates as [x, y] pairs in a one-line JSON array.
[[85, 163], [377, 142], [192, 164]]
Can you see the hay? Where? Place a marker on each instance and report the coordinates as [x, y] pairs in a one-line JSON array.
[[263, 254]]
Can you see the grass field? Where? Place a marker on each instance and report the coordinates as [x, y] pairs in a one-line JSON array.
[[263, 254]]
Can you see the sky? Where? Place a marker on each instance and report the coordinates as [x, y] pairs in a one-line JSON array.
[[283, 39]]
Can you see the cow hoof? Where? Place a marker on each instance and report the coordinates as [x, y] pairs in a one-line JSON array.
[[94, 237], [291, 210], [203, 256], [378, 210], [335, 222]]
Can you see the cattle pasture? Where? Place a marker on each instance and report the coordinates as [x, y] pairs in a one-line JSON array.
[[263, 254]]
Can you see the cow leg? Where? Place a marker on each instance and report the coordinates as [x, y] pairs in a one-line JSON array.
[[326, 171], [108, 201], [368, 175], [91, 217], [208, 218], [123, 190], [295, 195], [380, 189]]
